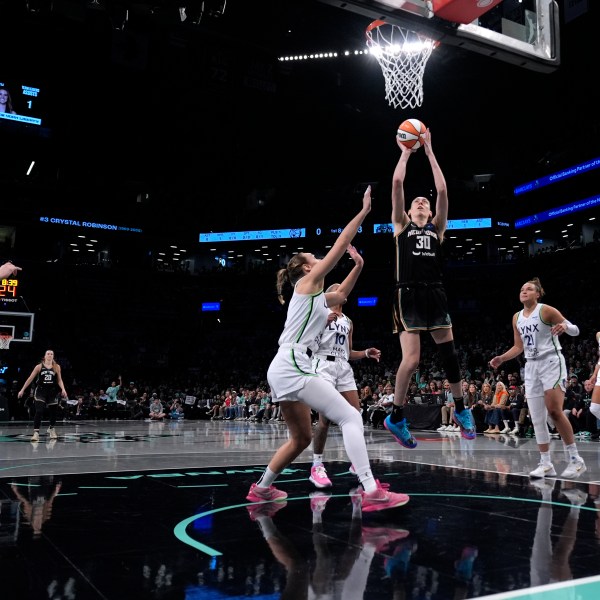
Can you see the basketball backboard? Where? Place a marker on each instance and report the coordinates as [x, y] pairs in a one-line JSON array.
[[521, 32], [17, 324]]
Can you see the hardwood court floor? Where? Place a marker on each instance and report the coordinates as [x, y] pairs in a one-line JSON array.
[[115, 510]]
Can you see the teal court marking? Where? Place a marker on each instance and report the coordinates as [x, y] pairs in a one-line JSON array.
[[29, 485], [587, 588], [513, 498], [102, 487], [203, 485], [182, 536]]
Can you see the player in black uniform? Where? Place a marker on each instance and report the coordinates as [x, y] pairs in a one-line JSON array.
[[420, 299], [48, 387]]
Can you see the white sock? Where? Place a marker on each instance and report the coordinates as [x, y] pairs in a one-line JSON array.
[[267, 478], [317, 460], [368, 481], [545, 458], [572, 450]]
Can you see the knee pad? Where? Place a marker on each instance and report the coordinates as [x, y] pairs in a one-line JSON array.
[[595, 409], [449, 358], [539, 420]]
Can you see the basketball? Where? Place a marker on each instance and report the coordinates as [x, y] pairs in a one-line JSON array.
[[410, 133]]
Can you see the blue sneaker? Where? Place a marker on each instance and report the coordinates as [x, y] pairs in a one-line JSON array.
[[400, 431], [464, 420]]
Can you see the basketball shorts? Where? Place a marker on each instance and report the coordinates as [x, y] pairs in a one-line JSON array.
[[420, 308], [338, 372], [546, 373], [288, 372], [49, 396]]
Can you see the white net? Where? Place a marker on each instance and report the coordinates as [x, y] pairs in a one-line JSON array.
[[402, 55], [5, 341]]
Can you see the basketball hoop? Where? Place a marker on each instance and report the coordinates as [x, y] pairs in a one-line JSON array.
[[402, 55], [5, 340]]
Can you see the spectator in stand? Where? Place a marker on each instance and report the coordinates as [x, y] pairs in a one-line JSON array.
[[383, 407], [157, 411], [140, 407], [101, 405], [112, 392], [471, 398], [591, 423], [366, 401], [447, 409], [434, 389], [228, 406], [238, 401], [577, 418], [516, 404], [216, 412], [575, 389], [506, 414], [494, 416], [131, 393], [263, 404], [80, 412], [176, 413], [254, 406], [478, 411]]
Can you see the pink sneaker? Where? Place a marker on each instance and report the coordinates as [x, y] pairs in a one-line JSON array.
[[318, 477], [265, 510], [262, 494], [318, 500], [382, 537], [381, 499]]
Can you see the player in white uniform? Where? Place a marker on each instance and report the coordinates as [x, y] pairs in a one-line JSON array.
[[595, 381], [295, 385], [330, 361], [536, 330]]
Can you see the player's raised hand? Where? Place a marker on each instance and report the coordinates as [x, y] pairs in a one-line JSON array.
[[8, 269]]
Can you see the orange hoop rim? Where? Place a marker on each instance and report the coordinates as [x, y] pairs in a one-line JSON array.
[[374, 24], [379, 22]]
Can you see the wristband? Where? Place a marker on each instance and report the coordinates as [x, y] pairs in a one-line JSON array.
[[570, 329], [367, 353]]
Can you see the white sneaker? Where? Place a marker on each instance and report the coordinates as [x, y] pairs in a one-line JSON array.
[[35, 437], [576, 496], [574, 469], [506, 430], [442, 427], [455, 428], [515, 431], [544, 485], [543, 470], [52, 432]]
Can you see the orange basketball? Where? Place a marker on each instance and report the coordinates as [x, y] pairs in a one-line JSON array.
[[410, 133]]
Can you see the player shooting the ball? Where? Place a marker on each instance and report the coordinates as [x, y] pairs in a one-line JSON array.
[[420, 302]]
